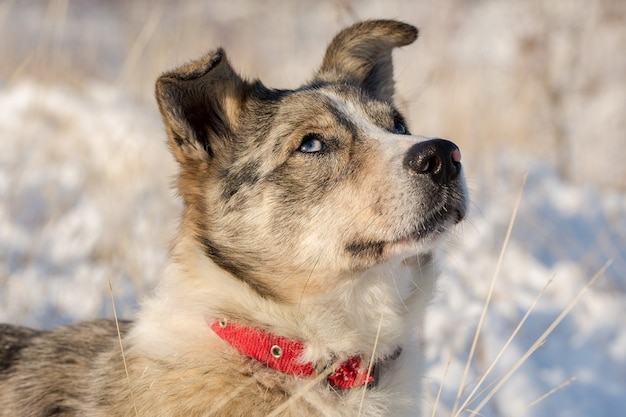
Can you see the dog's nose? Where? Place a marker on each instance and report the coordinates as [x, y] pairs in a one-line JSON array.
[[438, 158]]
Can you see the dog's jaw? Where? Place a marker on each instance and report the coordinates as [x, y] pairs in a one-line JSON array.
[[425, 238]]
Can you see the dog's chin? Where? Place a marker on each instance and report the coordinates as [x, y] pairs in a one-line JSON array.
[[432, 228], [423, 238], [419, 241]]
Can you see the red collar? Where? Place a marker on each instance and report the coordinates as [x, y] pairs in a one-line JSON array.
[[282, 354]]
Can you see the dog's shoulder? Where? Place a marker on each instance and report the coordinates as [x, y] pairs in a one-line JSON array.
[[40, 371], [12, 340], [82, 340]]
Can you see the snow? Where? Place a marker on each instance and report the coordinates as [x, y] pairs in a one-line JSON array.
[[86, 198], [84, 184]]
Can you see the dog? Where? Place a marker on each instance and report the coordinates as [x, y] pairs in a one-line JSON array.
[[302, 265]]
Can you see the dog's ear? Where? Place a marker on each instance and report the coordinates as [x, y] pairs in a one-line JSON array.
[[199, 103], [361, 55]]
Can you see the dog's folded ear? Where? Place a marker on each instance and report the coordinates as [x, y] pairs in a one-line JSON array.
[[199, 102], [361, 55]]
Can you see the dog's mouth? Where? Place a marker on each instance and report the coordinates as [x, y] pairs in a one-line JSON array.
[[438, 223], [424, 234]]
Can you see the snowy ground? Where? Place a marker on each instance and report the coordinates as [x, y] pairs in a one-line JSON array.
[[85, 199]]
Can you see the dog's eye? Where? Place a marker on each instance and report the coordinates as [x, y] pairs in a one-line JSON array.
[[399, 128], [311, 143]]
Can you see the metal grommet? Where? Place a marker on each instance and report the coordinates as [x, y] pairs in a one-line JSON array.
[[223, 323], [276, 351]]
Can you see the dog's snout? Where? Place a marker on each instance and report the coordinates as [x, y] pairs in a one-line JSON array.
[[438, 158]]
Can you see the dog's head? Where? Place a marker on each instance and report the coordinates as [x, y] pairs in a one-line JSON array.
[[295, 189]]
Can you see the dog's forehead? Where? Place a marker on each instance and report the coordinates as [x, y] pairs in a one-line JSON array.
[[345, 104], [358, 108]]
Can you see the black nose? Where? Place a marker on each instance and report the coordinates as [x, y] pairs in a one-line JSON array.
[[438, 158]]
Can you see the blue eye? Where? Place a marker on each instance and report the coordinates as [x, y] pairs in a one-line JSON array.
[[311, 143], [399, 128]]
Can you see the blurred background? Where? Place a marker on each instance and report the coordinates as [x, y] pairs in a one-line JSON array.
[[523, 87]]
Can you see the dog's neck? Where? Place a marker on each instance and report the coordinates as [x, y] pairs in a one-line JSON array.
[[369, 315], [284, 355]]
